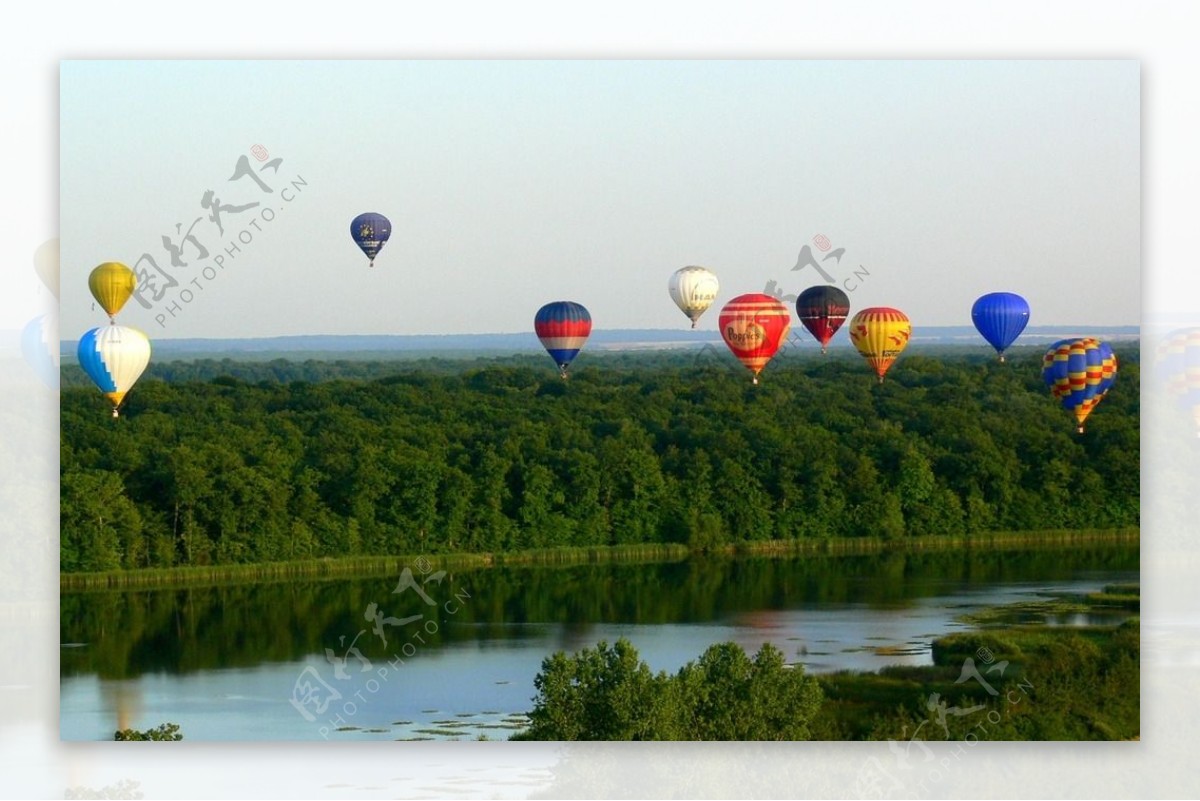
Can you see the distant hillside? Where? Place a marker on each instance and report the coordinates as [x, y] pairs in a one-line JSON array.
[[611, 339]]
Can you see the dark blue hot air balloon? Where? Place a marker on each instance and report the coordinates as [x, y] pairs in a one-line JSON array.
[[1000, 317], [370, 231]]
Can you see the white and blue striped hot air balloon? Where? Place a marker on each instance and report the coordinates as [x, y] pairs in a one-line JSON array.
[[114, 356], [39, 346]]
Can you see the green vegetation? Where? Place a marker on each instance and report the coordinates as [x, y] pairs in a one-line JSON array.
[[454, 457], [367, 566], [166, 732], [607, 693], [1030, 682]]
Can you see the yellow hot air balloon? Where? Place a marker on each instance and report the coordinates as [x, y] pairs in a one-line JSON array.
[[880, 333], [45, 264], [112, 283]]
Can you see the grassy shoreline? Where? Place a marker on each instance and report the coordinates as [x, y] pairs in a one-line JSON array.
[[369, 566]]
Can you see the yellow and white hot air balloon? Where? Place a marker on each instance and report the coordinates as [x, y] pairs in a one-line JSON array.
[[693, 289]]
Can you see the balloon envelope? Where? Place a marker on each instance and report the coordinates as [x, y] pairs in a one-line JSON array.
[[45, 264], [39, 346], [1079, 372], [822, 310], [370, 232], [114, 356], [880, 334], [754, 326], [693, 289], [1177, 363], [1000, 317], [562, 327], [112, 284]]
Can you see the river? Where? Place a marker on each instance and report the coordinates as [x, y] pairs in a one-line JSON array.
[[427, 654]]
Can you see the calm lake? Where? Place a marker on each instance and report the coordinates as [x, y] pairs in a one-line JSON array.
[[431, 655]]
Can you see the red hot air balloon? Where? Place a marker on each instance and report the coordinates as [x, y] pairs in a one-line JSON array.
[[754, 326]]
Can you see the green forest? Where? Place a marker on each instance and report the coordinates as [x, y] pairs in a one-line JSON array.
[[214, 463]]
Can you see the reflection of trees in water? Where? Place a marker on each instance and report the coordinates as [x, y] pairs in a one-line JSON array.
[[128, 633]]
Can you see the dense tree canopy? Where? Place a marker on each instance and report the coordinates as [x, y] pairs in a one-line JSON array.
[[607, 693], [276, 461]]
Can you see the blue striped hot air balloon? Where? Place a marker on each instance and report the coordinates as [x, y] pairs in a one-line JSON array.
[[562, 327], [1000, 317]]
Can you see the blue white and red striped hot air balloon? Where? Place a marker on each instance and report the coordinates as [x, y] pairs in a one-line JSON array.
[[114, 356], [562, 326]]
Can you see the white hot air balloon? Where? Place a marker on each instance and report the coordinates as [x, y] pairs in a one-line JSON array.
[[693, 289], [114, 356]]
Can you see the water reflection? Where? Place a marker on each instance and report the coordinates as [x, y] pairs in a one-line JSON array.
[[130, 633], [223, 662]]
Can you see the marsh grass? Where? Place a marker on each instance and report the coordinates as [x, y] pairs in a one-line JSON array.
[[370, 566]]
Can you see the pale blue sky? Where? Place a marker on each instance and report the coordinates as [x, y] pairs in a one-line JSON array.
[[513, 183]]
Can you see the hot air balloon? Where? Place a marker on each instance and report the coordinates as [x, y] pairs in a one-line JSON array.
[[1178, 367], [562, 326], [693, 289], [1000, 317], [370, 232], [114, 356], [112, 283], [822, 309], [880, 333], [45, 264], [1079, 373], [754, 326], [39, 345]]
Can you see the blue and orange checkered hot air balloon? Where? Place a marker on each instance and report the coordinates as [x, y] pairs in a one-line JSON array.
[[563, 327], [1079, 372], [1177, 365]]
